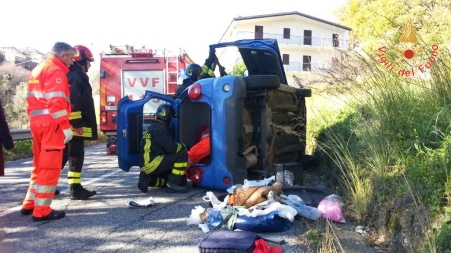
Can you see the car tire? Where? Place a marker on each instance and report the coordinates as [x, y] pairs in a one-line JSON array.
[[259, 82], [303, 93]]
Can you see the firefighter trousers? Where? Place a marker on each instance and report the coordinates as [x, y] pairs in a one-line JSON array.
[[171, 167], [48, 145], [74, 152]]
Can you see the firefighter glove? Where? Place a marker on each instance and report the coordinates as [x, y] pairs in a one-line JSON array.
[[68, 135], [211, 58]]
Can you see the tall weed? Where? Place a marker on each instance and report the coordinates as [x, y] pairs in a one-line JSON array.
[[390, 126]]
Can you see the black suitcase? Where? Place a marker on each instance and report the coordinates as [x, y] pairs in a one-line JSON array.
[[227, 241]]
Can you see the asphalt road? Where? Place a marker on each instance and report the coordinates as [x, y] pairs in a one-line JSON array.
[[105, 223]]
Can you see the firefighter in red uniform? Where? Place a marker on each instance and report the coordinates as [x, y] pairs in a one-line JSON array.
[[48, 106], [82, 119], [200, 152], [162, 160]]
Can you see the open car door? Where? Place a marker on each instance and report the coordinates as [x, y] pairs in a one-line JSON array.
[[131, 125]]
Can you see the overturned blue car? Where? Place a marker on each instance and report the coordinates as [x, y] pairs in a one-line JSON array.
[[256, 121]]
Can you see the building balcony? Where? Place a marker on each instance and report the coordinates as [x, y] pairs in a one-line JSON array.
[[300, 67], [297, 40]]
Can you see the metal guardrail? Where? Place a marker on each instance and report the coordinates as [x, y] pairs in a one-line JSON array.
[[20, 134]]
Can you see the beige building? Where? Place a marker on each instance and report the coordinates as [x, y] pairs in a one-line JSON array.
[[306, 43]]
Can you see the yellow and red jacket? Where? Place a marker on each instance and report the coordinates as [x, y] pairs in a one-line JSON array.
[[48, 92]]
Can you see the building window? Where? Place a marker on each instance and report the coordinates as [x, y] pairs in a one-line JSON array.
[[258, 32], [286, 59], [286, 33], [335, 41], [306, 63], [307, 37]]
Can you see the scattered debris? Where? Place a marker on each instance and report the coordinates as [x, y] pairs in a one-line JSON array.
[[141, 204]]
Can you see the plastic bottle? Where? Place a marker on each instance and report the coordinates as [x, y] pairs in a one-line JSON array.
[[285, 177], [303, 210]]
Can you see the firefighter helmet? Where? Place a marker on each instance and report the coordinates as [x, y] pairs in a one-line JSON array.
[[165, 112], [82, 53], [193, 71]]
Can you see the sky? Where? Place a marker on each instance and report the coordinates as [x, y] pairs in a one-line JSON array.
[[172, 24]]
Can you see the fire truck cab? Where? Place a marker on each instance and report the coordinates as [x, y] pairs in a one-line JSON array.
[[128, 71]]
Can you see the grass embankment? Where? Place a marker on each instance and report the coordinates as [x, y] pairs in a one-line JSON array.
[[387, 139], [22, 149]]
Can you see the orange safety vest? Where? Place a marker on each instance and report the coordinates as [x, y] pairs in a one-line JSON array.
[[48, 93]]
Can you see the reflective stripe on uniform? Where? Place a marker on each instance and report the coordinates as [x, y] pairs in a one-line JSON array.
[[54, 94], [59, 114], [73, 174], [44, 189], [36, 94], [153, 165], [147, 146], [180, 165], [43, 201], [55, 115], [39, 112], [33, 81], [30, 193], [87, 132], [75, 115], [74, 181], [74, 177], [160, 182], [178, 172]]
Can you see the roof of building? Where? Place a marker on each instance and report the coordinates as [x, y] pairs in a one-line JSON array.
[[291, 13]]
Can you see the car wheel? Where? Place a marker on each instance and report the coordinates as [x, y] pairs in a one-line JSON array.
[[258, 82], [303, 93]]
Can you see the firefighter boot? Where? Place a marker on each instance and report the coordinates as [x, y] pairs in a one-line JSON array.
[[77, 192], [177, 184]]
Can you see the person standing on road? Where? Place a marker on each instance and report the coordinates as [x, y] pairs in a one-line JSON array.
[[162, 160], [82, 119], [5, 138], [48, 108]]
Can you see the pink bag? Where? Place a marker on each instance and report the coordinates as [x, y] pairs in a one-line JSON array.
[[330, 208]]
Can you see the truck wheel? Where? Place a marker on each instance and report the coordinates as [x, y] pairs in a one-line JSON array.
[[262, 82], [303, 93]]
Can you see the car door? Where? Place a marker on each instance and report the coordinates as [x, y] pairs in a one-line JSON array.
[[131, 125]]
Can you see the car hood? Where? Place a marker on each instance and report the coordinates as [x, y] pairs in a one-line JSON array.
[[261, 56]]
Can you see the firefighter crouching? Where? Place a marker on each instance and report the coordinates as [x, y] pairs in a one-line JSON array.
[[162, 160], [48, 107], [82, 119]]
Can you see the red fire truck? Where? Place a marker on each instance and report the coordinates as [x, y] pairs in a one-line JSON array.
[[127, 71]]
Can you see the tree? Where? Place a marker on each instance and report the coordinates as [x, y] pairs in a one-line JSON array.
[[13, 85], [238, 69], [374, 21]]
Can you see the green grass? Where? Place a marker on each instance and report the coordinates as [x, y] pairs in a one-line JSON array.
[[388, 137]]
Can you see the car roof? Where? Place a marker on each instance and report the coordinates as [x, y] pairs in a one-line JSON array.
[[261, 56]]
